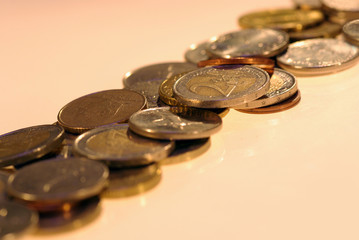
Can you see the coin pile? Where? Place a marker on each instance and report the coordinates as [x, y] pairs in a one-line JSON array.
[[112, 143]]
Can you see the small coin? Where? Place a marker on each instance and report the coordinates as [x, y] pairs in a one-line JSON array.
[[221, 86], [24, 145], [318, 56], [283, 19], [278, 107], [177, 123], [351, 32], [249, 42], [197, 53], [324, 30], [99, 109], [118, 147], [146, 80], [48, 185], [307, 4], [15, 220], [166, 90], [282, 85]]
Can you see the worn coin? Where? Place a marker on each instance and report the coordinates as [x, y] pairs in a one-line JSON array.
[[221, 86], [23, 145], [283, 19], [118, 147], [48, 185], [323, 30], [249, 42], [318, 56], [351, 32], [99, 109], [197, 52], [177, 123], [146, 80]]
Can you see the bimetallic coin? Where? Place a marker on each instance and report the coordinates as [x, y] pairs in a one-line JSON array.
[[177, 123], [318, 56], [49, 185], [197, 53], [15, 220], [99, 109], [23, 145], [351, 32], [146, 80], [282, 86], [118, 147], [324, 30], [249, 42], [221, 86], [283, 19]]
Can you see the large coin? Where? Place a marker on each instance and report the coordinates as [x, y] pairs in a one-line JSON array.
[[99, 109], [249, 42], [221, 86], [30, 143], [118, 147], [318, 56], [351, 32], [177, 123]]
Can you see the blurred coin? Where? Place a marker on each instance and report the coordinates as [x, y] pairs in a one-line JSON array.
[[197, 52], [318, 56], [221, 86], [249, 42], [23, 145], [99, 109], [177, 123], [146, 80], [341, 11], [324, 30], [282, 85], [307, 4], [351, 32], [49, 185], [15, 220], [283, 19], [118, 147]]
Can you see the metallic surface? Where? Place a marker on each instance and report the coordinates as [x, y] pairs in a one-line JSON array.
[[197, 52], [324, 30], [307, 4], [351, 32]]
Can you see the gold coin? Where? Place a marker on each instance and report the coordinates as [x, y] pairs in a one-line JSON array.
[[166, 92], [324, 30], [284, 19]]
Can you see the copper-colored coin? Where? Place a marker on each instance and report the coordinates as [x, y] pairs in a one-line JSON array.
[[281, 106], [99, 109]]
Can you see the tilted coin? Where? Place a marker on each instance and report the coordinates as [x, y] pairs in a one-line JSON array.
[[282, 85], [146, 80], [15, 220], [284, 19], [221, 86], [249, 42], [324, 30], [99, 109], [23, 145], [307, 4], [166, 90], [177, 123], [351, 32], [318, 56], [48, 185], [118, 147], [341, 11], [197, 52]]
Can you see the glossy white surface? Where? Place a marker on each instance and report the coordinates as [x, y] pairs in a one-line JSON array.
[[288, 175]]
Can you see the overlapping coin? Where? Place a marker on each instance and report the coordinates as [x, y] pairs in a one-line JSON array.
[[351, 32]]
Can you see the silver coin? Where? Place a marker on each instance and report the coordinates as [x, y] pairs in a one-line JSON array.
[[118, 147], [342, 5], [351, 32], [221, 86], [147, 80], [197, 53], [282, 85], [341, 11], [250, 42], [177, 123], [318, 56]]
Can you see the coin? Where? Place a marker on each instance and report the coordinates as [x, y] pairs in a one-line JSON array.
[[281, 106], [307, 4], [118, 147], [146, 80], [177, 123], [99, 109], [221, 86], [166, 90], [49, 185], [341, 11], [283, 19], [318, 56], [324, 30], [24, 145], [197, 52], [282, 85], [351, 32], [249, 42]]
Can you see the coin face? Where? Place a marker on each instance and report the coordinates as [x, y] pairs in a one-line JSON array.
[[351, 32], [99, 109], [249, 42], [58, 181], [197, 53], [324, 30], [177, 123], [318, 56], [221, 86], [146, 80], [284, 19], [119, 147], [30, 143]]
